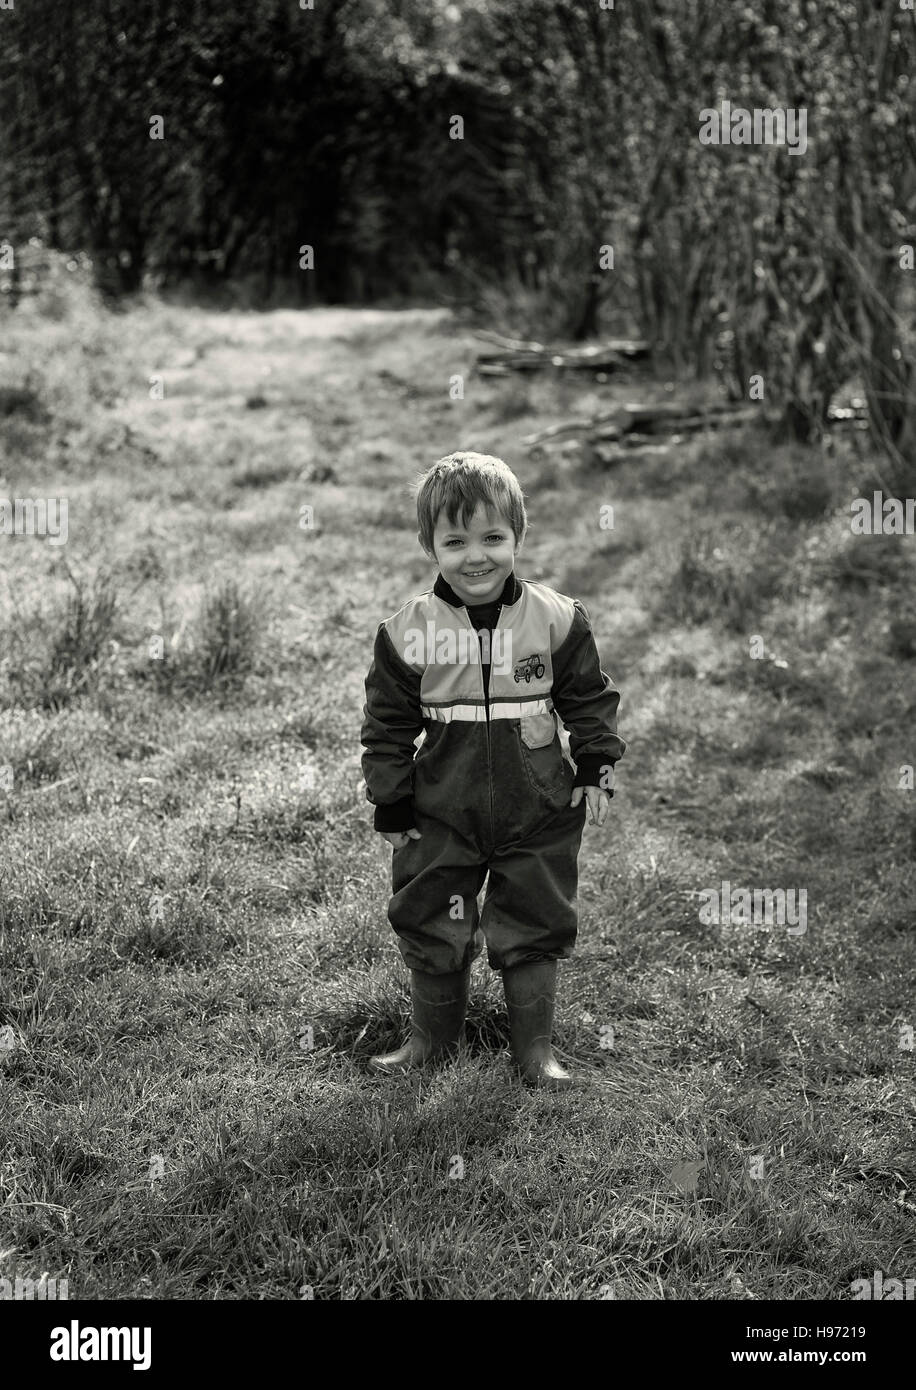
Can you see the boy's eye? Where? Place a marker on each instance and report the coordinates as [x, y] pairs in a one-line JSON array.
[[494, 536]]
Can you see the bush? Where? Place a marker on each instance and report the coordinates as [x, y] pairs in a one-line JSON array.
[[796, 483], [62, 654], [221, 652], [227, 635], [862, 563], [726, 573], [743, 471]]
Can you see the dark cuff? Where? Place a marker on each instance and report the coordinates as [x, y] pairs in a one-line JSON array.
[[589, 769], [397, 816]]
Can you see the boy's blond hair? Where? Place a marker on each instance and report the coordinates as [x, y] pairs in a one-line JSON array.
[[459, 483]]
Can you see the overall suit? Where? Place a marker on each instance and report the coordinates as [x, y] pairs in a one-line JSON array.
[[481, 689]]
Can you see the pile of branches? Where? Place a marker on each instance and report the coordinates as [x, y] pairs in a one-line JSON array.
[[514, 355], [630, 431]]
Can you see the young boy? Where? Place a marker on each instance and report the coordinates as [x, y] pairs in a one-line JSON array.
[[481, 665]]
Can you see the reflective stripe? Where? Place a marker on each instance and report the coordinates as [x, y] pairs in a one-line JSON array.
[[475, 714]]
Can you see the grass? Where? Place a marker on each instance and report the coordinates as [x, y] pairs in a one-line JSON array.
[[195, 963]]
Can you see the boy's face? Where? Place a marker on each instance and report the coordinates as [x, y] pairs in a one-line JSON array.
[[476, 561]]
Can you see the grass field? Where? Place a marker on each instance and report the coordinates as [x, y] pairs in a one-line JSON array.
[[195, 961]]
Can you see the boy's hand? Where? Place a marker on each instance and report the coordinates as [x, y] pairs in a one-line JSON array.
[[599, 803], [399, 838]]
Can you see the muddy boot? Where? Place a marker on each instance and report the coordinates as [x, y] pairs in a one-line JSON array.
[[439, 1003], [530, 991]]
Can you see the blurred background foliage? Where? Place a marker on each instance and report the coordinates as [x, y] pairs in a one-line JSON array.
[[330, 127]]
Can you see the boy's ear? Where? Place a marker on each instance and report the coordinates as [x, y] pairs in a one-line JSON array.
[[430, 553]]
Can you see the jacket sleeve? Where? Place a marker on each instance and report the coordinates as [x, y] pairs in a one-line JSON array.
[[586, 699], [391, 724]]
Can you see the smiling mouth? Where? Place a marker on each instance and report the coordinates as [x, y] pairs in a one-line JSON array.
[[476, 574]]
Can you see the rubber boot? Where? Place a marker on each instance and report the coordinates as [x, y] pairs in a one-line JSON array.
[[438, 1003], [530, 991]]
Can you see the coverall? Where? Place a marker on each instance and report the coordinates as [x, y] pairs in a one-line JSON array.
[[479, 688]]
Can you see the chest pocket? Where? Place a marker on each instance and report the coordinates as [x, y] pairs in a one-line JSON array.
[[537, 730]]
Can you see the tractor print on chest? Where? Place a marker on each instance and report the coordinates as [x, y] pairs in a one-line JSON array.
[[529, 666]]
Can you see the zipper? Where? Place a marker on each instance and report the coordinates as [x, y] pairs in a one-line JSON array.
[[486, 707]]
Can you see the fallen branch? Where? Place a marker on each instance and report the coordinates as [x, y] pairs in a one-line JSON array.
[[630, 430], [637, 421], [517, 355]]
